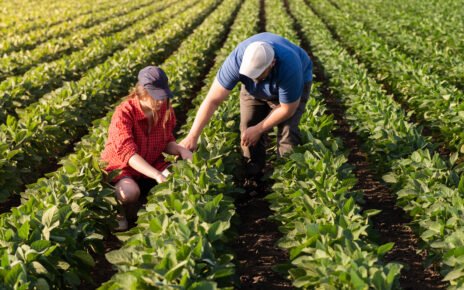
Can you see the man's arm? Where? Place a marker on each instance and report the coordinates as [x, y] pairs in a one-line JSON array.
[[284, 111], [216, 95]]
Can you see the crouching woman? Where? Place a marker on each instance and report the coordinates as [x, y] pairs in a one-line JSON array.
[[141, 130]]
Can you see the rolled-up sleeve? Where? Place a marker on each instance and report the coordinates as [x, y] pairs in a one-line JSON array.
[[122, 137]]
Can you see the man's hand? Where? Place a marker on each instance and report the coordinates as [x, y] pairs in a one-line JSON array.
[[189, 143], [251, 136], [185, 154]]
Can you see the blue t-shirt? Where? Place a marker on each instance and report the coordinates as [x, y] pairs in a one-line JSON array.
[[293, 68]]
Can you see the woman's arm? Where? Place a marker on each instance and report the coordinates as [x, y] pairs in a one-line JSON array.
[[175, 149], [141, 165]]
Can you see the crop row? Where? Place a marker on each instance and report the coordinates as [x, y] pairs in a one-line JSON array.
[[440, 106], [427, 187], [17, 63], [443, 62], [65, 216], [324, 230], [191, 256], [20, 91], [18, 17], [435, 21], [24, 41], [45, 130]]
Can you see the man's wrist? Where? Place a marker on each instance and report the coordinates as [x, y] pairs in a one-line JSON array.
[[194, 136], [260, 128]]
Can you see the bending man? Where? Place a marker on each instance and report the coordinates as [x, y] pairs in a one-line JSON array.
[[276, 77]]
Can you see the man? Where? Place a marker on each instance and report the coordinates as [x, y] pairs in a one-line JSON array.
[[276, 78]]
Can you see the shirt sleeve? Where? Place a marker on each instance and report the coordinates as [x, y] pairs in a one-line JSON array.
[[291, 86], [121, 136], [228, 75]]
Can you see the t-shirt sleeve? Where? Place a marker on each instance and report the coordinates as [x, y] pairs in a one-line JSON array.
[[291, 86], [120, 133], [228, 75]]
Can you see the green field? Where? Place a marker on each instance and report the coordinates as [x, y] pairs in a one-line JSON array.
[[372, 199]]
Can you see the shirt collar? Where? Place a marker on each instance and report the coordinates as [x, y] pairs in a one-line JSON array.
[[139, 113]]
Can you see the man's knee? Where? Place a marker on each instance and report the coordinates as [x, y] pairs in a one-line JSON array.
[[127, 191]]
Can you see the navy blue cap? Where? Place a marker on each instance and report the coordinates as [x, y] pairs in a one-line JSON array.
[[155, 81]]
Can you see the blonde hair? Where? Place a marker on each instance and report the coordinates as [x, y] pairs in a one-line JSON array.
[[155, 106]]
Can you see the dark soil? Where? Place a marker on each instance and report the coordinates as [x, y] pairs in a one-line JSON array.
[[12, 201], [255, 246]]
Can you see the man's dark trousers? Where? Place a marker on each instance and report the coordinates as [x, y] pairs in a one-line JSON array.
[[253, 111]]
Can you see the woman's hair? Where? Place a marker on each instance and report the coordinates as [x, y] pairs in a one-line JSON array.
[[141, 94]]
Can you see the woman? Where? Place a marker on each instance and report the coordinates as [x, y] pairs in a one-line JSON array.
[[140, 131]]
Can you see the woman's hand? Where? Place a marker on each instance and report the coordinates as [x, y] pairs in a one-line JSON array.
[[160, 178]]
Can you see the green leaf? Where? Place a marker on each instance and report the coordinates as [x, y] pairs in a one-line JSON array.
[[85, 257], [70, 168], [385, 248], [216, 230], [357, 282], [47, 218], [203, 286], [461, 185], [39, 268], [454, 157], [23, 231], [72, 278], [371, 212], [393, 273], [455, 274], [119, 257], [390, 178], [40, 245], [13, 274], [42, 284]]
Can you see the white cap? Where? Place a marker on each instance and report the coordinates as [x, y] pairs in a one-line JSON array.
[[257, 57]]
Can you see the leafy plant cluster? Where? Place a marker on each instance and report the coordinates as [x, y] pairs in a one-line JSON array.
[[20, 91], [28, 34], [324, 229], [427, 95], [442, 61], [187, 253], [428, 187], [58, 12], [434, 21], [46, 129], [19, 62], [431, 190], [65, 216]]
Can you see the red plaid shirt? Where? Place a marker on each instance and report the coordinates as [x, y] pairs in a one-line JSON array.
[[128, 134]]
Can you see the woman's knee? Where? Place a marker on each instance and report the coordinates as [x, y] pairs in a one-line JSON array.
[[127, 191]]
